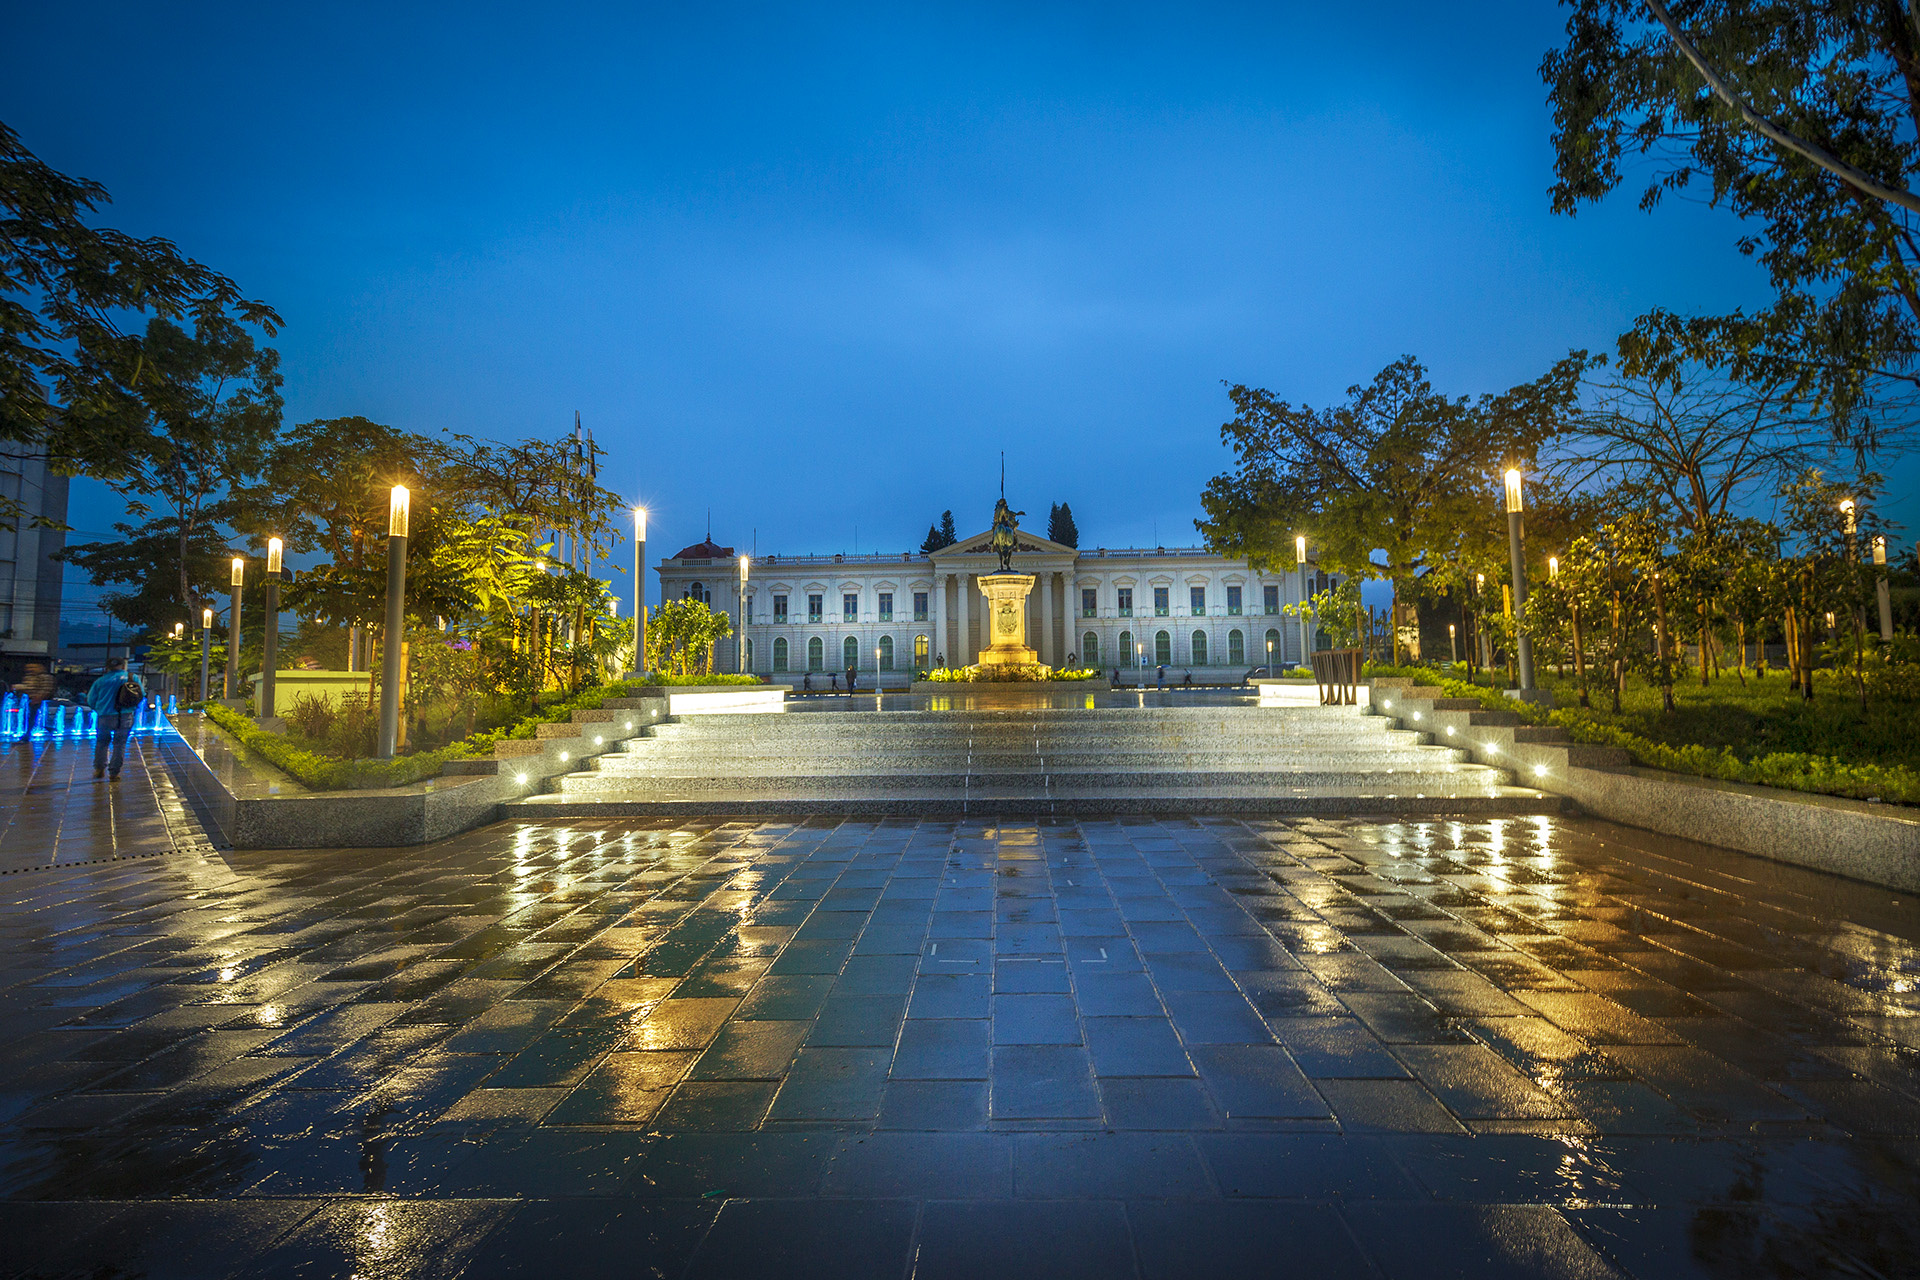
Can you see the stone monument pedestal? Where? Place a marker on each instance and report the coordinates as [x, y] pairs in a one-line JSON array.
[[1006, 595]]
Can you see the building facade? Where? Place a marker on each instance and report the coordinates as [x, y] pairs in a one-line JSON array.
[[893, 613], [30, 578]]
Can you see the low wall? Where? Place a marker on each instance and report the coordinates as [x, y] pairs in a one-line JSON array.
[[255, 806], [1010, 686], [707, 699], [1872, 842]]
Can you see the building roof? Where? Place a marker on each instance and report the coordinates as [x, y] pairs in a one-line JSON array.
[[707, 550]]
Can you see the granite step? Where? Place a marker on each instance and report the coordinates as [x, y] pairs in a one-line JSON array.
[[944, 759], [1059, 802], [1444, 778]]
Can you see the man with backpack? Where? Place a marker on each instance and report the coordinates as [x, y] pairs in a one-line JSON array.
[[114, 698]]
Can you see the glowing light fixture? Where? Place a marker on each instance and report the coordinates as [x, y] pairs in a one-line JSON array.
[[399, 510], [1514, 505]]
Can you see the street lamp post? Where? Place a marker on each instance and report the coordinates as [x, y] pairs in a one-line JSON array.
[[1453, 644], [1880, 586], [270, 647], [206, 652], [233, 628], [398, 510], [1300, 561], [740, 646], [1523, 643], [640, 590]]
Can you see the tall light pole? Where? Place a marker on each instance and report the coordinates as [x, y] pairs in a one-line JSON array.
[[233, 628], [1300, 562], [206, 652], [1880, 584], [270, 647], [398, 509], [642, 613], [740, 646], [1523, 644]]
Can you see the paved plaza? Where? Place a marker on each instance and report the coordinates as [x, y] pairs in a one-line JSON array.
[[1206, 1047]]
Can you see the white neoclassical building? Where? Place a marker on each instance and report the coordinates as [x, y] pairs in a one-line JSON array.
[[892, 613]]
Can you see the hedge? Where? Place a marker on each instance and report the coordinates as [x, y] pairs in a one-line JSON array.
[[1789, 770], [333, 773]]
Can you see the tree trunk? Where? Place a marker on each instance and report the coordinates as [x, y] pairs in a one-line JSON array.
[[1740, 637], [1579, 659], [1806, 650], [1790, 636], [1619, 657], [1660, 643]]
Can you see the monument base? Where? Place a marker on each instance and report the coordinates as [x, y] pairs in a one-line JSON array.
[[1006, 619]]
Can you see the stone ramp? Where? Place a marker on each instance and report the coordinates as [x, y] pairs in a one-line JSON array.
[[1034, 762]]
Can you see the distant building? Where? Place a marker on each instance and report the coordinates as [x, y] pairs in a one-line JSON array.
[[29, 575], [894, 612]]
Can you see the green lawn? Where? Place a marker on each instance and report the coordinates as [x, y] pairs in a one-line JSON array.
[[1757, 732], [1761, 717]]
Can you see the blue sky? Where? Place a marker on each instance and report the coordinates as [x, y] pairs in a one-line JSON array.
[[814, 268]]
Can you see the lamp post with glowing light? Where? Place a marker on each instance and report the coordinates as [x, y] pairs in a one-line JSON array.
[[1880, 588], [1300, 560], [206, 652], [233, 628], [398, 511], [1523, 644], [270, 647], [640, 590], [740, 646]]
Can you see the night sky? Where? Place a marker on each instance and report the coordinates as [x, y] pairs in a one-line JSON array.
[[814, 271]]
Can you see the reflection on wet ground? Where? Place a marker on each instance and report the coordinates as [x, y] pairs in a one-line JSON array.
[[1154, 1048]]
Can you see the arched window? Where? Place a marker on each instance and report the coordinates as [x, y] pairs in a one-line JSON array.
[[1199, 648], [698, 591], [1089, 650], [1236, 648], [920, 647], [1276, 652], [1162, 647], [780, 654], [1126, 648], [816, 655], [850, 653], [886, 653]]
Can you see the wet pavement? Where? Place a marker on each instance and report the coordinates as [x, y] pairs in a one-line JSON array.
[[1535, 1047]]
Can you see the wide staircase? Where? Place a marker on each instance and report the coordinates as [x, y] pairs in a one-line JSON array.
[[1049, 761]]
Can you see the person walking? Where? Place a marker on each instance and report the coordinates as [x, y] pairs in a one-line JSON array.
[[36, 686], [114, 697], [853, 678], [1160, 676]]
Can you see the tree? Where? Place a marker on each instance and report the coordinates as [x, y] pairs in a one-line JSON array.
[[681, 634], [143, 567], [208, 407], [325, 487], [69, 376], [1672, 412], [940, 535], [1060, 526], [1799, 116], [1399, 469]]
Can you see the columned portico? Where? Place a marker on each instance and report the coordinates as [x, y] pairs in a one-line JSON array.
[[963, 643], [1048, 652]]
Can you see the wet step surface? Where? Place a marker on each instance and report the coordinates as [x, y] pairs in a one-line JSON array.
[[1038, 761], [1196, 1046]]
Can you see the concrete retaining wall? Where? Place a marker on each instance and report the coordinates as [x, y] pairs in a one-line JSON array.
[[1876, 843], [255, 806]]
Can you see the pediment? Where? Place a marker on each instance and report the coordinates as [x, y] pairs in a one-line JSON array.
[[1027, 544]]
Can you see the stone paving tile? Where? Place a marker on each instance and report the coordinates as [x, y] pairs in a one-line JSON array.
[[1537, 1046]]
